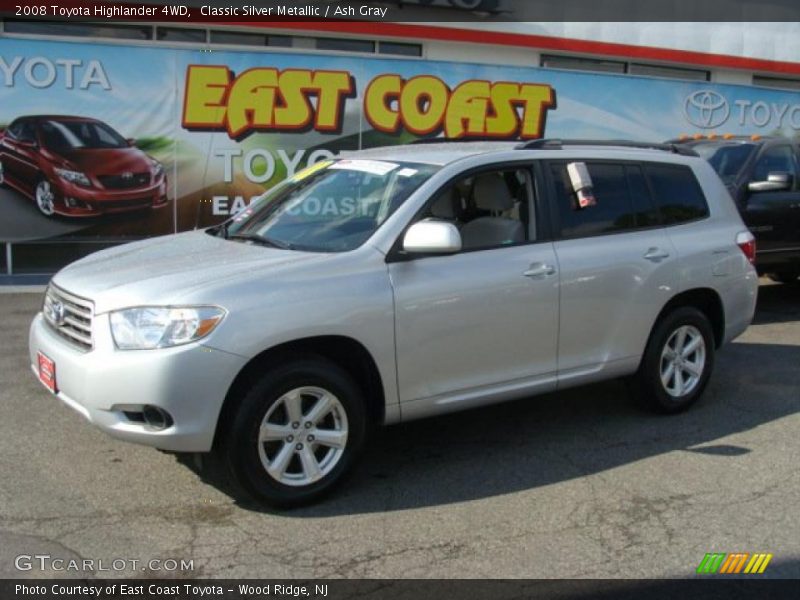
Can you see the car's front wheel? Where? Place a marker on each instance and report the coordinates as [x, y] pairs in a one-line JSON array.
[[45, 198], [677, 362], [296, 432], [2, 175]]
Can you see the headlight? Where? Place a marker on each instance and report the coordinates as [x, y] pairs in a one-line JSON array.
[[150, 327], [73, 177], [158, 168]]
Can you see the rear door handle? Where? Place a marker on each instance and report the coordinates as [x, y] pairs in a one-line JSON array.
[[539, 271], [656, 254]]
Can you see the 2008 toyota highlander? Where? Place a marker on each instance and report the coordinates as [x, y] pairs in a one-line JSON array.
[[399, 283]]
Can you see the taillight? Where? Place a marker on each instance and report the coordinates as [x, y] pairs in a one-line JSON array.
[[747, 242]]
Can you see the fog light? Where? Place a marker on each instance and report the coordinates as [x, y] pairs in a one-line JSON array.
[[71, 202], [156, 417]]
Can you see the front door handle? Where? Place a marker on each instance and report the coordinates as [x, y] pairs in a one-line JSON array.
[[539, 271], [656, 254]]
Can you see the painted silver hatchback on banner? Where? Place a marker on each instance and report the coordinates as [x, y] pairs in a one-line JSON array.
[[400, 283]]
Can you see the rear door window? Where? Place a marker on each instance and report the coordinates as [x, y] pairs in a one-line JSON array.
[[614, 210], [646, 211], [677, 194]]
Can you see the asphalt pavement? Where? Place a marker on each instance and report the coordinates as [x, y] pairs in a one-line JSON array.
[[576, 484]]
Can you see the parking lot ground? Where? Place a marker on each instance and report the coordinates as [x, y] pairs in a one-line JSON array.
[[572, 484]]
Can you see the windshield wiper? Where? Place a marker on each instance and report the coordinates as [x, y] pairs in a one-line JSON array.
[[260, 239]]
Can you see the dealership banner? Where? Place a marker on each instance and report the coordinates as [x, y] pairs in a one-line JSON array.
[[115, 142]]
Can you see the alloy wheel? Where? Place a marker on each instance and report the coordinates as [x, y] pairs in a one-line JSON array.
[[303, 436], [683, 361], [44, 197]]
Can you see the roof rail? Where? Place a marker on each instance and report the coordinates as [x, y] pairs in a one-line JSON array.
[[558, 144], [461, 140]]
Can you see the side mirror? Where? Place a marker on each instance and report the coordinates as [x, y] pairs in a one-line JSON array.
[[776, 181], [432, 237], [131, 141]]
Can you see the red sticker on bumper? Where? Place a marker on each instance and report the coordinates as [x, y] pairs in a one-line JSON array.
[[47, 372]]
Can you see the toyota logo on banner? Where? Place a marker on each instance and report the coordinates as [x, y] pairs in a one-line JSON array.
[[706, 109]]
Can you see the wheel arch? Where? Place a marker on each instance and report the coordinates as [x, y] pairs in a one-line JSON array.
[[707, 301], [346, 352]]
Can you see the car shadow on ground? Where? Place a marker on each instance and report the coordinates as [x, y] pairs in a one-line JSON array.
[[560, 436]]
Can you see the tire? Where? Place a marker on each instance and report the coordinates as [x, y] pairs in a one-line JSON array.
[[292, 467], [2, 176], [784, 276], [44, 197], [666, 390]]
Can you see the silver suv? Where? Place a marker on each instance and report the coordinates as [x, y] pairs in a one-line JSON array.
[[400, 283]]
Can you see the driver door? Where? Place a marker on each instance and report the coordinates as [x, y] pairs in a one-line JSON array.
[[481, 323]]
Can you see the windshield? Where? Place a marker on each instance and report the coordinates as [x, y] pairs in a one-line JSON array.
[[727, 159], [332, 206], [74, 135]]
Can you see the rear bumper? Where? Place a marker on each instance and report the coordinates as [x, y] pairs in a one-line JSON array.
[[739, 304], [189, 382], [778, 260]]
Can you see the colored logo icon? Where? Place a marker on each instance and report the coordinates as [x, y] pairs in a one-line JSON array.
[[720, 563]]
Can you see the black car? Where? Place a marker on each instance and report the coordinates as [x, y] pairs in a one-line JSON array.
[[763, 176]]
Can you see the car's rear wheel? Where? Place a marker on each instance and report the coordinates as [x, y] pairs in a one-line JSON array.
[[784, 276], [45, 199], [677, 362], [296, 432]]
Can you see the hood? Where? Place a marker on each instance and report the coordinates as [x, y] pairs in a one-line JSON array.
[[107, 161], [171, 269]]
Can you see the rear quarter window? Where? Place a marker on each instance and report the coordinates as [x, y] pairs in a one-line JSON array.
[[677, 194]]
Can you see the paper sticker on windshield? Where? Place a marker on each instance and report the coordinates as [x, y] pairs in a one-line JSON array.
[[311, 169], [373, 167], [407, 172]]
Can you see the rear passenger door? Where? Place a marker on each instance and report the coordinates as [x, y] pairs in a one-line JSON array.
[[616, 264]]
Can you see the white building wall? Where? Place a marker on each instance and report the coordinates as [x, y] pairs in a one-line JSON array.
[[477, 53], [769, 40]]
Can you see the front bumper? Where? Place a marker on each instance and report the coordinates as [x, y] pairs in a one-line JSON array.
[[189, 382], [76, 201]]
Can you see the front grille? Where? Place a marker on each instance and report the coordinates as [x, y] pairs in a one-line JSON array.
[[69, 316], [126, 181]]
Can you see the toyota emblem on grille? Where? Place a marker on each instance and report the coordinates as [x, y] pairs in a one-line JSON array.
[[127, 175], [57, 312]]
